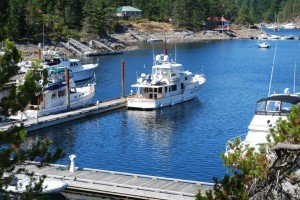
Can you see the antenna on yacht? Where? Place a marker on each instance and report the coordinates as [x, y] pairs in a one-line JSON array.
[[295, 78], [175, 53], [272, 71], [165, 50], [153, 54]]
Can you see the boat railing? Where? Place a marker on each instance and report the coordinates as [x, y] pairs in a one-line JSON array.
[[242, 138]]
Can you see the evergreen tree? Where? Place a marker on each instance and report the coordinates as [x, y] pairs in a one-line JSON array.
[[261, 174], [13, 153]]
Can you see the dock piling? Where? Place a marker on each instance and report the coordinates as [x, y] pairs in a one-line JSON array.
[[123, 66]]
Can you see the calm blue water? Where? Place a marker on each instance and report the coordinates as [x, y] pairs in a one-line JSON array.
[[183, 141]]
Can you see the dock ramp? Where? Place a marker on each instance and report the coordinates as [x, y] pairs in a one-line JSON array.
[[81, 47], [71, 48], [134, 34], [101, 45]]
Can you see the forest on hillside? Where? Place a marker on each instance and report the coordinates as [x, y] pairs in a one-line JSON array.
[[60, 19]]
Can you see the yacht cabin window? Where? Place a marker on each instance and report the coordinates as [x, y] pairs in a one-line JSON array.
[[53, 96], [174, 88], [61, 93]]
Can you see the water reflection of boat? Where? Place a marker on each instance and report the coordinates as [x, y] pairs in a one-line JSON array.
[[168, 84], [162, 120]]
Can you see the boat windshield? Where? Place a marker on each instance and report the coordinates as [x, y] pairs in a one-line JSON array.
[[272, 106]]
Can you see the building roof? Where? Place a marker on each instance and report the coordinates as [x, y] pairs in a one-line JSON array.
[[128, 9], [219, 19], [284, 98]]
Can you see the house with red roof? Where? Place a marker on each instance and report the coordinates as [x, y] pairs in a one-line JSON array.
[[217, 23]]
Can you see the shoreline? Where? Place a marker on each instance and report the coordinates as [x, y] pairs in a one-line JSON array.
[[124, 41]]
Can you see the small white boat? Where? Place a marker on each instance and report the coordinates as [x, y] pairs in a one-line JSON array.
[[287, 37], [288, 26], [273, 27], [264, 36], [268, 111], [274, 37], [263, 44], [50, 186], [154, 40], [168, 84]]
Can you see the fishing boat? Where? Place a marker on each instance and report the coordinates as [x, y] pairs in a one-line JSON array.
[[168, 84], [54, 99], [49, 186], [263, 44], [80, 72]]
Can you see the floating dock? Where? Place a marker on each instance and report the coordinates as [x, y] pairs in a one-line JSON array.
[[123, 184], [54, 119]]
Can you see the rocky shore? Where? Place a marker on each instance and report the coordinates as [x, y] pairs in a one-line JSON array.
[[125, 41]]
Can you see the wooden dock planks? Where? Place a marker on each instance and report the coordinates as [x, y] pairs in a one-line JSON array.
[[124, 184], [54, 119]]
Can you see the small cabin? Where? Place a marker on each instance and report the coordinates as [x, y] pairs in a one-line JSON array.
[[217, 23], [125, 12]]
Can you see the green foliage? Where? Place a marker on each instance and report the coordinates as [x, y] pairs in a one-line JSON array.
[[251, 167], [8, 62], [13, 152], [63, 19]]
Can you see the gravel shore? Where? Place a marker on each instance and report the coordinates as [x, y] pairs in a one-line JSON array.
[[125, 41]]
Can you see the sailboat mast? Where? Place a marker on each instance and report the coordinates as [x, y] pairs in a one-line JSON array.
[[295, 78], [272, 72]]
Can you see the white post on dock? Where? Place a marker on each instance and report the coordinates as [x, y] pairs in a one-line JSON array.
[[72, 165]]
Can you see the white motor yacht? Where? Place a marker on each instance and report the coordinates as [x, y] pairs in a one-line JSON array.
[[168, 84], [54, 100], [268, 111]]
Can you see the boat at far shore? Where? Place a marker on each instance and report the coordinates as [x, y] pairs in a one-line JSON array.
[[263, 44], [168, 84], [288, 26], [268, 111]]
